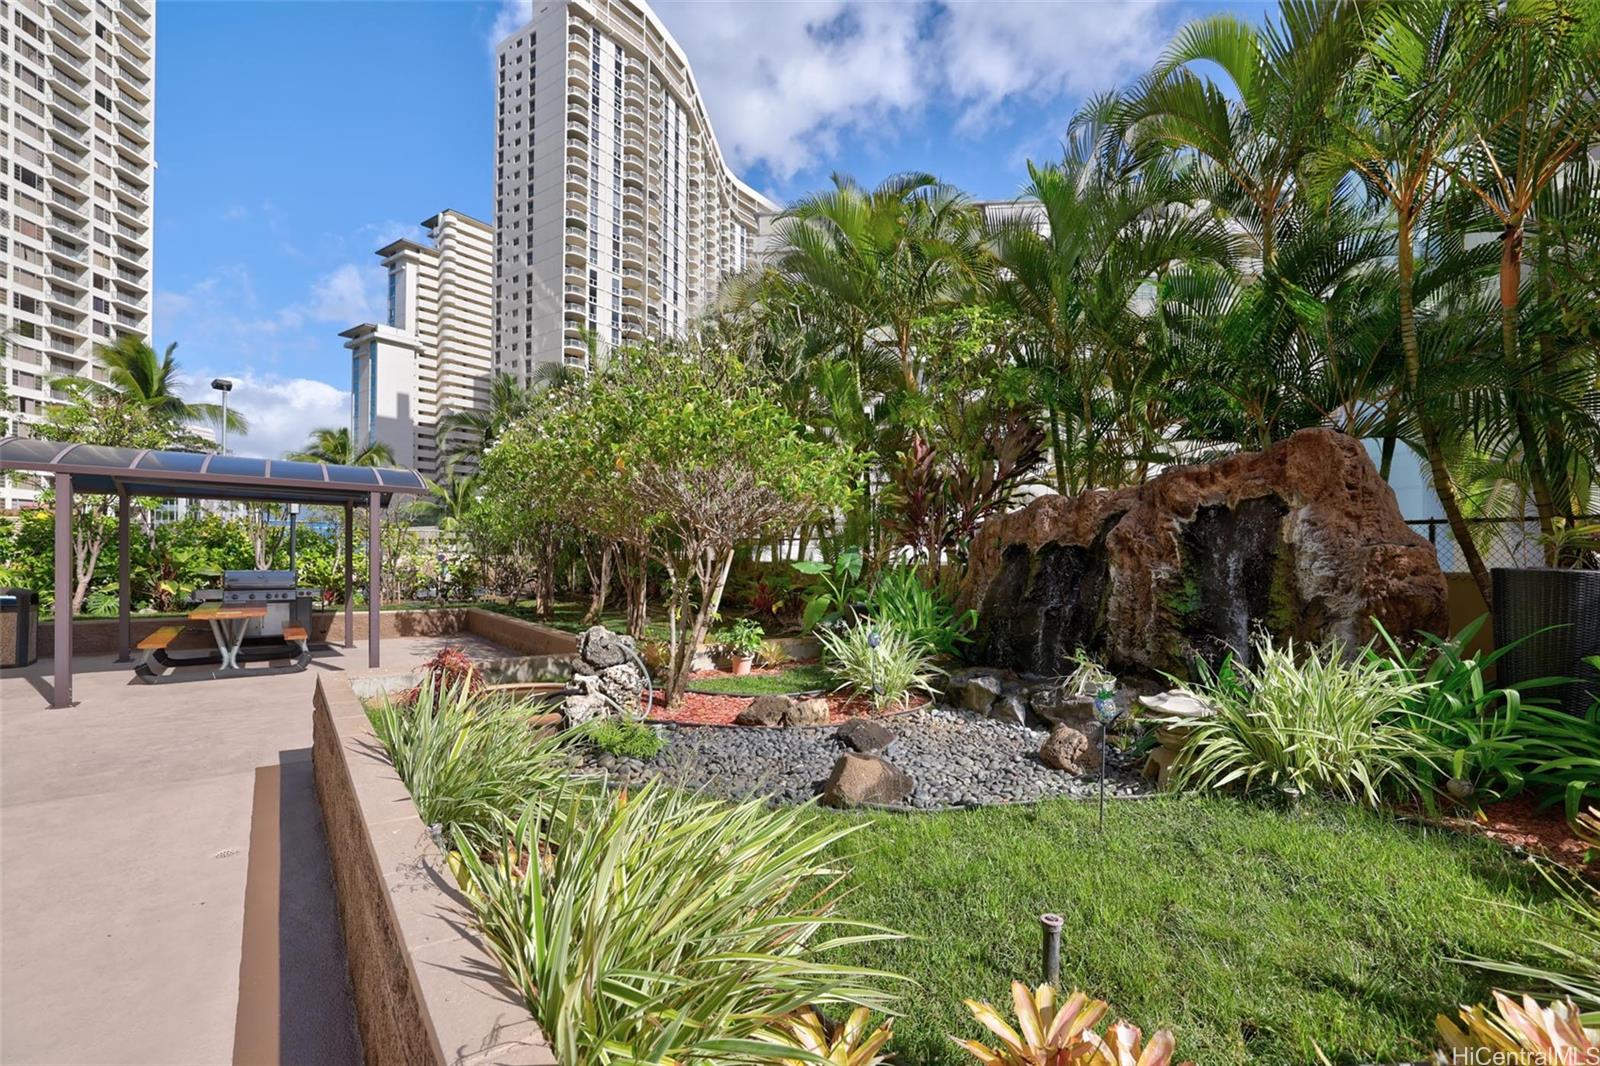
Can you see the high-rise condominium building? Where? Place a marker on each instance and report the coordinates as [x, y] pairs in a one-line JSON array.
[[615, 215], [433, 355], [77, 136]]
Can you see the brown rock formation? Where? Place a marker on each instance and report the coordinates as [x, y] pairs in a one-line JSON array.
[[1303, 540]]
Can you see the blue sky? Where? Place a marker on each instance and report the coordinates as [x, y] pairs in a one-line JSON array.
[[294, 138]]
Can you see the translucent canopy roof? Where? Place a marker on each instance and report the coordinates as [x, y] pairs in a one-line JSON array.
[[205, 475]]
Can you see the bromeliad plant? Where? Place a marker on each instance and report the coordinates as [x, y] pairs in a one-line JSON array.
[[1062, 1034], [1574, 972], [661, 927], [846, 1044], [1305, 723], [877, 661], [1521, 1033]]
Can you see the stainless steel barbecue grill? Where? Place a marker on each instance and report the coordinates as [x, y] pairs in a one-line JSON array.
[[287, 605]]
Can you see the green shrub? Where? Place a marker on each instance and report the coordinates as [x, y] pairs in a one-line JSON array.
[[877, 661], [660, 926], [1315, 723], [625, 737], [470, 761], [920, 614], [1499, 740]]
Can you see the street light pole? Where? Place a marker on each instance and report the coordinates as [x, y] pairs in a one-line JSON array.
[[224, 386]]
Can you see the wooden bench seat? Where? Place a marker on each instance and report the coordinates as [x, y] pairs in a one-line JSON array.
[[294, 633], [205, 610], [160, 638]]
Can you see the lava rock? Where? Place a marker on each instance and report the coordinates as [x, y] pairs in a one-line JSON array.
[[1054, 704], [1069, 749], [980, 692], [1303, 539], [813, 711], [773, 710], [624, 685], [1009, 709], [864, 736], [861, 779], [600, 648], [578, 710]]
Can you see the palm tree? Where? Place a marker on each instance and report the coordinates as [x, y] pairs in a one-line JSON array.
[[1259, 110], [1536, 117], [874, 262], [1107, 233], [1400, 113], [333, 446], [451, 500], [136, 374]]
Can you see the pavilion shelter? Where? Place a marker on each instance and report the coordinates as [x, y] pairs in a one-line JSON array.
[[129, 472]]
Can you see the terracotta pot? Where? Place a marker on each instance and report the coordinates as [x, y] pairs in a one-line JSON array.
[[740, 664]]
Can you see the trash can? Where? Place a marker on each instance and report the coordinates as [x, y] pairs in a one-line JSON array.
[[19, 627]]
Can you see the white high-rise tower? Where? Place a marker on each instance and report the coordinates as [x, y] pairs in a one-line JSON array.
[[615, 214], [432, 355], [77, 137]]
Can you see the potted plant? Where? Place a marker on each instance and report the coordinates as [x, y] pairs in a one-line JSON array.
[[1548, 618], [741, 641]]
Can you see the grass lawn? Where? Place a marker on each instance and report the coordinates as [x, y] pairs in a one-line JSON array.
[[1253, 933], [806, 678]]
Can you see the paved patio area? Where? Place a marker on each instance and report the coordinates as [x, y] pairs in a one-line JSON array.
[[164, 887]]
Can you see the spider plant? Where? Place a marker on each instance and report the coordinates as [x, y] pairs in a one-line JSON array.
[[877, 661], [469, 760], [1305, 720], [662, 927]]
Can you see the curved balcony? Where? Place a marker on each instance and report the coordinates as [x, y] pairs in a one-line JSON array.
[[578, 148], [632, 278], [577, 75], [575, 253]]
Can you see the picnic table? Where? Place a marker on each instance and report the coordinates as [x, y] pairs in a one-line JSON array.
[[229, 623]]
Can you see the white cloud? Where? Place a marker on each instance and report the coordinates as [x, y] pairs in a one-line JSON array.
[[282, 411], [512, 16], [350, 294], [787, 83]]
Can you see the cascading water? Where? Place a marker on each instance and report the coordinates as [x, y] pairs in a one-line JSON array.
[[1231, 556], [1044, 606]]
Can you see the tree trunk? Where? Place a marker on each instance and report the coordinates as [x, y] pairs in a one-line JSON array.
[[633, 572], [687, 645], [1443, 487], [1055, 449], [599, 583], [1533, 452]]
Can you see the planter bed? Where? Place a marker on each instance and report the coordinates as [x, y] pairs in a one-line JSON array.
[[427, 990], [957, 759]]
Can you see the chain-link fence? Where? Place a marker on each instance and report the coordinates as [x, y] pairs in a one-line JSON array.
[[1510, 542]]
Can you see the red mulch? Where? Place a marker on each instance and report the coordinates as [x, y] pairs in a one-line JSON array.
[[1521, 822], [701, 708]]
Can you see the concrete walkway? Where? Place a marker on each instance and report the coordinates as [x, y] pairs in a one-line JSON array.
[[164, 887]]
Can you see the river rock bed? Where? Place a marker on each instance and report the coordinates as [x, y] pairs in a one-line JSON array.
[[958, 759]]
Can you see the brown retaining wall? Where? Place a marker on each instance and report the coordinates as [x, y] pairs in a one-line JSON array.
[[427, 990], [98, 636]]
